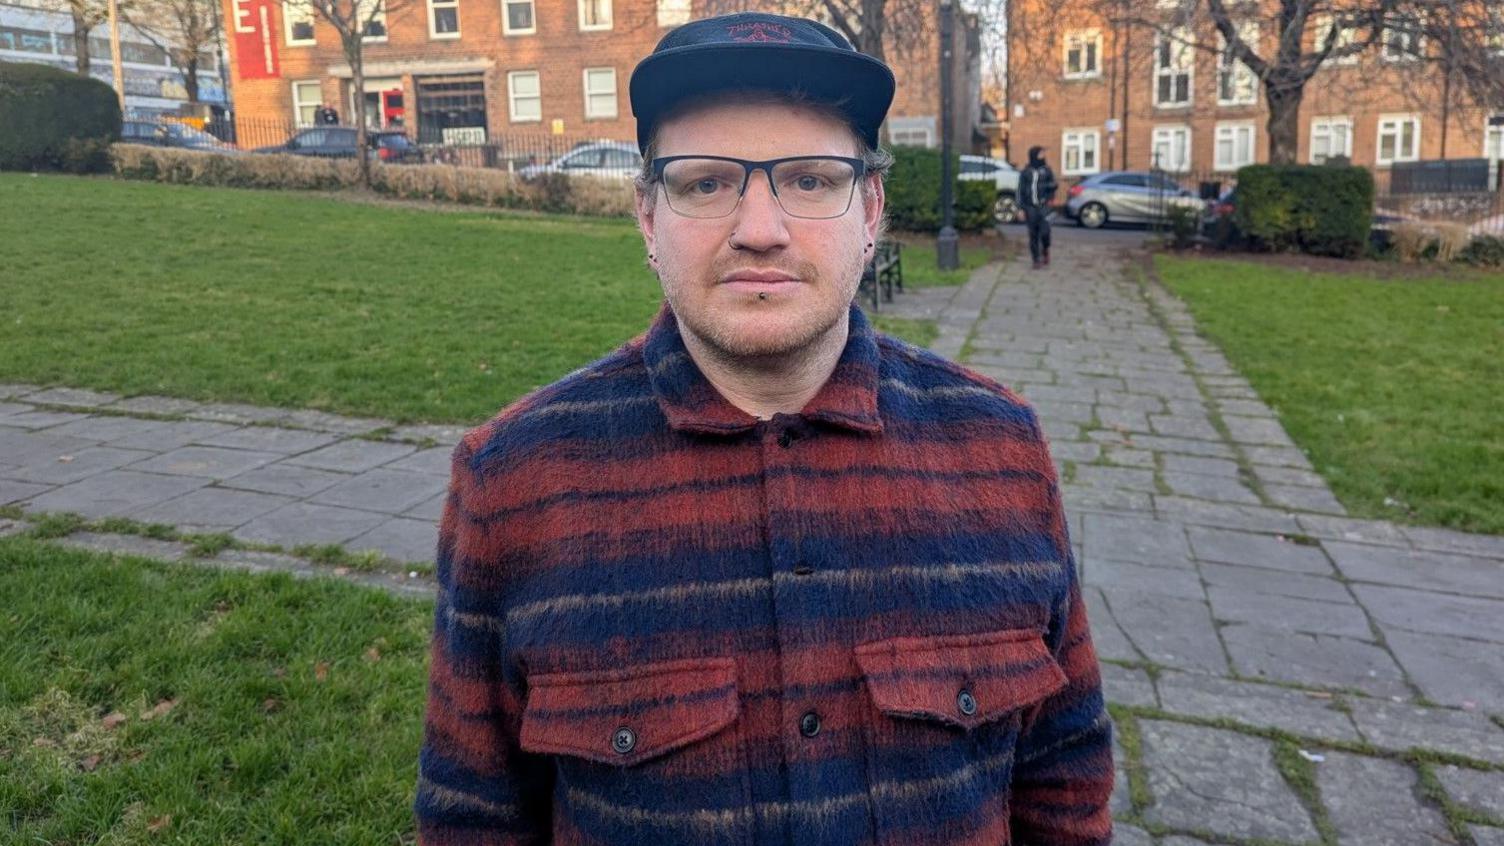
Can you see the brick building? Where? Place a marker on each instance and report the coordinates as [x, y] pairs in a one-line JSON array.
[[1104, 97], [472, 71]]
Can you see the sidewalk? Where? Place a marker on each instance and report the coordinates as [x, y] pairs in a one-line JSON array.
[[1278, 671]]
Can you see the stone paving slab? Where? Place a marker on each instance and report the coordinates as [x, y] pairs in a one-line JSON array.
[[147, 404], [287, 479], [353, 456], [169, 435], [1124, 576], [73, 466], [205, 462], [1399, 726], [1260, 581], [1170, 631], [119, 493], [1372, 801], [12, 491], [73, 397], [1314, 660], [389, 491], [400, 540], [125, 545], [1128, 686], [1255, 550], [1467, 617], [1205, 779], [305, 523], [1450, 670], [1290, 614], [270, 439], [1478, 791], [1486, 836], [1300, 712], [1431, 571], [104, 429], [211, 509]]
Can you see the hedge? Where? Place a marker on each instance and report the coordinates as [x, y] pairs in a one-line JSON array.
[[1317, 209], [913, 193], [51, 119]]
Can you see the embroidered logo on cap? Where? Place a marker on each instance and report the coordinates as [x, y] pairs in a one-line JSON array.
[[760, 31]]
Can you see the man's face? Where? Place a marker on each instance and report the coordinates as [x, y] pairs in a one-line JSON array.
[[758, 282]]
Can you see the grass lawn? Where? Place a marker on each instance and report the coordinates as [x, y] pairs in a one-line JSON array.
[[148, 703], [919, 270], [296, 300], [1392, 386]]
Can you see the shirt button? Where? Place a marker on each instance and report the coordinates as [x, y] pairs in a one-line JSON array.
[[809, 724], [624, 740], [786, 439], [967, 703]]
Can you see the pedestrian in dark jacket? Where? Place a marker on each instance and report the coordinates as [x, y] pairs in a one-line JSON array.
[[1036, 188]]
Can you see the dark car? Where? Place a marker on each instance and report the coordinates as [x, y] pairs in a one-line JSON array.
[[172, 134], [338, 142]]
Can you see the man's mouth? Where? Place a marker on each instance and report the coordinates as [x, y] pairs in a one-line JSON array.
[[758, 281]]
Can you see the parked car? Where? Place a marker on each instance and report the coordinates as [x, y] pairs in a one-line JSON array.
[[1006, 178], [1121, 196], [338, 142], [609, 159], [172, 134]]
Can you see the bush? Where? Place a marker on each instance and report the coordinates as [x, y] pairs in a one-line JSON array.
[[51, 119], [1317, 209], [468, 185], [913, 193], [1484, 251], [1185, 223]]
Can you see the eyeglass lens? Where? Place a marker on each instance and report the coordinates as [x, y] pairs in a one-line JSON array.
[[809, 188]]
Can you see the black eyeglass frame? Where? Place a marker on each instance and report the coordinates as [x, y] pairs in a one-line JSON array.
[[858, 167]]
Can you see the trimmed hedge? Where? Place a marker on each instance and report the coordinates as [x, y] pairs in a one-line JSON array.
[[913, 193], [51, 119], [1319, 209]]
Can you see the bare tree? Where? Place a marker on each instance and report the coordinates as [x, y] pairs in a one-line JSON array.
[[354, 21], [188, 30], [87, 15]]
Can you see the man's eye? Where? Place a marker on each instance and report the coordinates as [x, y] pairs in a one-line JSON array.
[[706, 186], [809, 182]]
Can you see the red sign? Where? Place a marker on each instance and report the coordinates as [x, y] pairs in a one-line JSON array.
[[255, 39]]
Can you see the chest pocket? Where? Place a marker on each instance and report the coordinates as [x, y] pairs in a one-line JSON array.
[[948, 711], [647, 754]]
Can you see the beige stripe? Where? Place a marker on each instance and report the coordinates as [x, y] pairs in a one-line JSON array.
[[939, 393], [586, 406], [449, 799]]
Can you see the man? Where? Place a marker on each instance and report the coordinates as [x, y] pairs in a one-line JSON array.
[[1036, 188], [763, 575]]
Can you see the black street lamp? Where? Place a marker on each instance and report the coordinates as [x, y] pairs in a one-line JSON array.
[[947, 248]]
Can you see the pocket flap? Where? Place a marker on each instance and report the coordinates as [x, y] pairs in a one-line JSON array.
[[963, 680], [629, 715]]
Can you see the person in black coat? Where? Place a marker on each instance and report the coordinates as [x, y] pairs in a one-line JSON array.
[[1036, 188]]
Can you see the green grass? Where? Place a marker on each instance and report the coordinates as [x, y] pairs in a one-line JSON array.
[[293, 708], [920, 271], [918, 332], [294, 300], [1391, 386]]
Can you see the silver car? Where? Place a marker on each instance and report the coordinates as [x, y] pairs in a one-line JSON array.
[[1127, 196], [1002, 174], [608, 159]]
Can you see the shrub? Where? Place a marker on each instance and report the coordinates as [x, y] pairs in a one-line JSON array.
[[1321, 209], [1484, 251], [1451, 238], [1185, 222], [53, 119], [913, 193], [1412, 240]]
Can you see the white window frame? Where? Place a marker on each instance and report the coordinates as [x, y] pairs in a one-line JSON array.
[[1166, 134], [1232, 68], [1493, 138], [506, 17], [1395, 122], [1346, 37], [294, 12], [590, 95], [605, 6], [1076, 137], [433, 30], [380, 16], [1079, 40], [298, 104], [512, 77], [1392, 36], [674, 12], [1231, 130], [1179, 39], [1323, 126]]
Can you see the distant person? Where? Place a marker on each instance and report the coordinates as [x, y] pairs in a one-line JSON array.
[[1036, 188], [327, 115]]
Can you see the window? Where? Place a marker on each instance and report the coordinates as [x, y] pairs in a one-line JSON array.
[[1083, 52], [526, 99], [1234, 147], [374, 24], [600, 92], [517, 17], [443, 18], [673, 12], [297, 18], [1172, 148], [1399, 139], [306, 98], [1078, 153], [1347, 36], [1401, 42], [1331, 136], [911, 131], [595, 14], [28, 40], [1236, 83], [1173, 62], [1493, 138]]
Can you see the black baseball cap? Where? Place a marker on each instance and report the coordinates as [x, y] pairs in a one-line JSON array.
[[763, 51]]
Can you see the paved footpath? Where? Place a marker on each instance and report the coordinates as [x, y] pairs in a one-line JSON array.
[[1279, 672]]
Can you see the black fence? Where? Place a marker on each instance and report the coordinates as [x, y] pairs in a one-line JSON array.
[[1446, 176]]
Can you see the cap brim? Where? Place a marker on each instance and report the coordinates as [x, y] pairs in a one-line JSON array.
[[860, 85]]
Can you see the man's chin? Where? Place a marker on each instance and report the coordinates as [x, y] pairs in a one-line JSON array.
[[771, 334]]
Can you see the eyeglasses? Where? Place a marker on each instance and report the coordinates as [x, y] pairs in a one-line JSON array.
[[811, 187]]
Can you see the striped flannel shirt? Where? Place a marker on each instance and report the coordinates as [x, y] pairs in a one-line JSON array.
[[662, 621]]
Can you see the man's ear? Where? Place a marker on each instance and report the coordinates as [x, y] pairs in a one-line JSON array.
[[645, 223], [873, 207]]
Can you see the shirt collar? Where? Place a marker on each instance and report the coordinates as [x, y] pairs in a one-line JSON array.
[[848, 399]]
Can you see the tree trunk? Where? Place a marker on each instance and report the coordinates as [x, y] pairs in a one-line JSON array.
[[1284, 123], [190, 76], [353, 51], [81, 30]]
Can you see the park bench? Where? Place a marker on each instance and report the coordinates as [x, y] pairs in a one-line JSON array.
[[883, 273]]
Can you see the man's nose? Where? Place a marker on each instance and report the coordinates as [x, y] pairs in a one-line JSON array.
[[760, 220]]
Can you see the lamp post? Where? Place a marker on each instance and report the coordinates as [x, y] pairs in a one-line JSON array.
[[947, 249], [115, 54]]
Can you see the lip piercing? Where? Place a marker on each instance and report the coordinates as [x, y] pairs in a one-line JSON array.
[[762, 295]]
